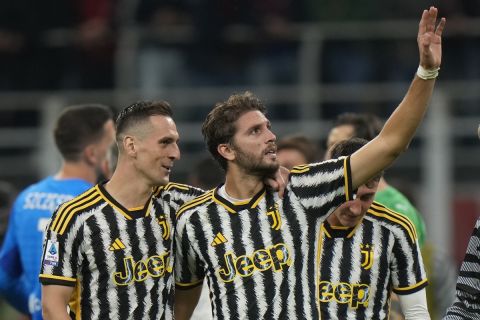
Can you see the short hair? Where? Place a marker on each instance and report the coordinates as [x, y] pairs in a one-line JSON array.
[[78, 126], [349, 147], [138, 112], [219, 126], [300, 143], [365, 125]]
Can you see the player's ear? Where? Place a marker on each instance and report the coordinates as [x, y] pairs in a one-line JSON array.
[[226, 151], [90, 154], [129, 146]]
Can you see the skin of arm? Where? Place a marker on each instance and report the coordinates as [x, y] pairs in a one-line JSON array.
[[186, 301], [402, 124], [54, 302]]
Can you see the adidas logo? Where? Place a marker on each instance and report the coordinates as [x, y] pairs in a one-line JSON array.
[[219, 239], [117, 245]]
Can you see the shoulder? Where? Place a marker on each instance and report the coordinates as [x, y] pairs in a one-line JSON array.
[[179, 190], [396, 222], [79, 209], [197, 204]]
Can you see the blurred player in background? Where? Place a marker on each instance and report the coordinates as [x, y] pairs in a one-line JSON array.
[[82, 135], [295, 150]]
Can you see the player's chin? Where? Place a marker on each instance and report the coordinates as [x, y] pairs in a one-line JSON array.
[[163, 180]]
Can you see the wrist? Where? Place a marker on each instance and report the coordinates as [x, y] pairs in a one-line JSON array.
[[427, 74]]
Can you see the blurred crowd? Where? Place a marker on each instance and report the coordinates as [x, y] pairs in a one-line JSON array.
[[57, 45]]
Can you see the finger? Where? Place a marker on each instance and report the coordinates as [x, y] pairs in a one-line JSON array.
[[440, 27], [422, 26], [432, 17]]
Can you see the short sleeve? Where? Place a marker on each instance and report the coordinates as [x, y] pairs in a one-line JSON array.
[[189, 271], [321, 187], [62, 255], [408, 273]]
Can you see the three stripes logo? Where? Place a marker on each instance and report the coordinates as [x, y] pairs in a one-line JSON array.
[[275, 215], [219, 239], [367, 256], [117, 245]]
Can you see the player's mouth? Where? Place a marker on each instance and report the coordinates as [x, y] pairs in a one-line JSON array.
[[272, 152], [168, 168]]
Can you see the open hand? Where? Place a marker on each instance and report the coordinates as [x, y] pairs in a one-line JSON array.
[[430, 39]]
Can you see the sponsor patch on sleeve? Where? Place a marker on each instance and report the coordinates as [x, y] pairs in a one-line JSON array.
[[51, 255]]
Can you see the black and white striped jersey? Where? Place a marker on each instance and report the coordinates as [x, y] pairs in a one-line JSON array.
[[467, 299], [360, 266], [259, 257], [119, 261]]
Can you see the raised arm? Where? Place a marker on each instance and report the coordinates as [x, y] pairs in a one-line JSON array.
[[402, 124]]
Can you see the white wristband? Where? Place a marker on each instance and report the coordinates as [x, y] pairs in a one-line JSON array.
[[427, 74]]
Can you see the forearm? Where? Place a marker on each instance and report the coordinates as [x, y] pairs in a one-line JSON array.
[[400, 128], [54, 302]]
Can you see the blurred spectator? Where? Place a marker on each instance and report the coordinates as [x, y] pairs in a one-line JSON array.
[[275, 59], [56, 44], [162, 60], [295, 150]]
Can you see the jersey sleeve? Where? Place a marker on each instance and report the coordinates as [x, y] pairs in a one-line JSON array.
[[408, 272], [181, 193], [189, 271], [321, 187], [62, 255], [12, 286], [469, 276]]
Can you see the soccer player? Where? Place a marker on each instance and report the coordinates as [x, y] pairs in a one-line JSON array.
[[259, 252], [366, 126], [83, 135], [467, 298], [440, 268], [367, 252], [110, 248]]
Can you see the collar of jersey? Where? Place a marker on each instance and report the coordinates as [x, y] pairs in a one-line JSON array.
[[339, 232], [237, 207], [128, 214]]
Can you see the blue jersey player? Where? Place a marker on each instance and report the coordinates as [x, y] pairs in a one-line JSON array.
[[83, 135]]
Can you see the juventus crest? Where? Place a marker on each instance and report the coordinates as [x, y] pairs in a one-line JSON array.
[[367, 256]]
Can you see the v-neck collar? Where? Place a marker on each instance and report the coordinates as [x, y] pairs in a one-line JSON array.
[[131, 214], [339, 232], [237, 207]]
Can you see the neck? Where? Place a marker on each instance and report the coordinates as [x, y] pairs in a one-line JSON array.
[[241, 185], [77, 170], [127, 187]]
